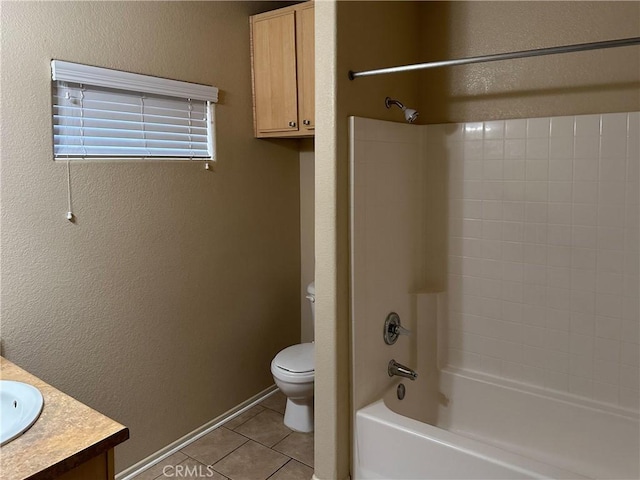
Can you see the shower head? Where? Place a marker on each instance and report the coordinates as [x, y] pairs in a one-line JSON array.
[[410, 114]]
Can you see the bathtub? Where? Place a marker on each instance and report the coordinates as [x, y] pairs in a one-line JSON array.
[[485, 428]]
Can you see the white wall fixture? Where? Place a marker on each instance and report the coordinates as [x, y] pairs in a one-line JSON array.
[[543, 253], [537, 328], [542, 246]]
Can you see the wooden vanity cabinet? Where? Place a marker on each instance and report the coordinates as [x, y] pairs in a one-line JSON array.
[[68, 441], [98, 468], [282, 66]]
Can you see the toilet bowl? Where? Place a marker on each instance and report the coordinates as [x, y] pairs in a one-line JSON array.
[[293, 371]]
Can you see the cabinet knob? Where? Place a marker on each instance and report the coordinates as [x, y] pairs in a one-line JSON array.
[[292, 124], [306, 122]]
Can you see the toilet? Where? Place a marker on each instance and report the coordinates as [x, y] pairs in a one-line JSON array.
[[293, 371]]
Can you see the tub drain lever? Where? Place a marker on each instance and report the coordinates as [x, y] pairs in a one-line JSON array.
[[393, 329]]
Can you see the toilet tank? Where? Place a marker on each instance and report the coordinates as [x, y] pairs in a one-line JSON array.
[[311, 296]]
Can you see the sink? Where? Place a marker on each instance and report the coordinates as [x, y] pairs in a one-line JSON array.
[[20, 407]]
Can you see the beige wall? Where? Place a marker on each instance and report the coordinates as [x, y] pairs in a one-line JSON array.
[[576, 83], [307, 244], [164, 304]]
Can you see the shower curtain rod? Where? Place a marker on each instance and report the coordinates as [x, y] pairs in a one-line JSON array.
[[623, 42]]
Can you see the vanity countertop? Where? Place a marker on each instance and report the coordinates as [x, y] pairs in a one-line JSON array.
[[67, 433]]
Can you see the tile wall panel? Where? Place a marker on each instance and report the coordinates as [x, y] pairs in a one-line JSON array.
[[543, 252]]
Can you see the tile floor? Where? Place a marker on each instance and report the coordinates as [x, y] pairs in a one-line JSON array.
[[253, 446]]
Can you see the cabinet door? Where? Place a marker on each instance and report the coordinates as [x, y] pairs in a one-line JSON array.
[[274, 70], [97, 468], [306, 67]]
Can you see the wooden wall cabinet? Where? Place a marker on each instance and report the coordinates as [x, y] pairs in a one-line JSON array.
[[282, 67]]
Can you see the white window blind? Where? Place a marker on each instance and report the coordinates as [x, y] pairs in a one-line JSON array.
[[100, 113]]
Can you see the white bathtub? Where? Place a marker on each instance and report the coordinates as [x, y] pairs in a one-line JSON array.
[[489, 430]]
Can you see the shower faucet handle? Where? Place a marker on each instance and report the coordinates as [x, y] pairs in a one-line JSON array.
[[393, 329], [400, 330]]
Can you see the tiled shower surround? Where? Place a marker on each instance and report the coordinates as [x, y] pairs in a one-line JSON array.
[[543, 252], [542, 249]]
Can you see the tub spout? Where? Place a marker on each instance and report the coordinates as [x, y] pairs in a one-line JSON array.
[[400, 370]]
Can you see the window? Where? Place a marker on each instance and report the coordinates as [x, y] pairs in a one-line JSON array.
[[108, 114]]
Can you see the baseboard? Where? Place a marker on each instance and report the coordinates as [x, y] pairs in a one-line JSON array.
[[348, 477], [191, 437]]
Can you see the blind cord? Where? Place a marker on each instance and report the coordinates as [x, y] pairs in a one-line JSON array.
[[70, 215]]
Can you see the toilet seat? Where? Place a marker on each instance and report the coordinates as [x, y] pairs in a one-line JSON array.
[[295, 364]]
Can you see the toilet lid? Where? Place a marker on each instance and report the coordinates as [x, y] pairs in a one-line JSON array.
[[296, 358]]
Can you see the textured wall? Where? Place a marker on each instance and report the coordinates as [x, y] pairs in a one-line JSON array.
[[307, 244], [164, 304], [576, 83]]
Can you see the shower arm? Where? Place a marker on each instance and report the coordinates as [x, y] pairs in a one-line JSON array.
[[389, 101]]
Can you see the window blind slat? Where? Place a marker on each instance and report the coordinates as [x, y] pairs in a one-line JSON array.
[[128, 142], [125, 98], [125, 108], [87, 152], [90, 113], [68, 131], [111, 124]]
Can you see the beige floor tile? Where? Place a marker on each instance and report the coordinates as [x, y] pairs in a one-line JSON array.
[[293, 470], [298, 446], [191, 469], [243, 417], [251, 461], [213, 446], [276, 402], [156, 470], [267, 428]]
